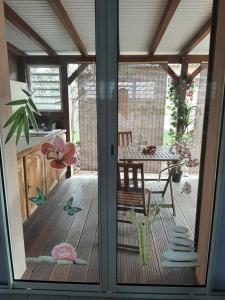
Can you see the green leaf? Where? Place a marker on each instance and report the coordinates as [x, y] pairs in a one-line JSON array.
[[26, 127], [18, 102], [34, 107], [14, 116], [27, 93], [12, 129], [19, 129], [31, 117]]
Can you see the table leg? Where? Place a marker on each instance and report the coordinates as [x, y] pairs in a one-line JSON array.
[[172, 196], [168, 180], [169, 183]]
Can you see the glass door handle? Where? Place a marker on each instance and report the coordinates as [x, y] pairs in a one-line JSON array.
[[112, 150]]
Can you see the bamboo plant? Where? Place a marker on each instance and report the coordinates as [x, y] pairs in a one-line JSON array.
[[143, 228], [19, 120]]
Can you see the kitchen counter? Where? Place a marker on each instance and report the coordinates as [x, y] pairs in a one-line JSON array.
[[22, 148]]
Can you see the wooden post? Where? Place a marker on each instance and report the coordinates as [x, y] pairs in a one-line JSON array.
[[22, 69], [8, 153], [180, 126], [65, 104]]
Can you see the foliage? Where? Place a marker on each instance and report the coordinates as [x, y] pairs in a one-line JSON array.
[[183, 151], [143, 232], [181, 111], [20, 119]]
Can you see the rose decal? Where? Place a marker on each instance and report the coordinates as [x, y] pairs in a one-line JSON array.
[[64, 251]]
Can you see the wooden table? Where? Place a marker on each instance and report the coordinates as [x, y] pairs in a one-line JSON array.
[[162, 154]]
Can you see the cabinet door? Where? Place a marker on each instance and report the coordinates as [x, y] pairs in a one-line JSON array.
[[35, 176], [21, 178], [51, 176]]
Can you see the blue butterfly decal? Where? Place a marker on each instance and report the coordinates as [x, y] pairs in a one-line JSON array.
[[69, 209], [39, 199]]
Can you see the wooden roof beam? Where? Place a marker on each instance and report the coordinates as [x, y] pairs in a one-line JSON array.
[[197, 38], [37, 59], [68, 25], [198, 71], [13, 49], [166, 18], [74, 75], [18, 22], [169, 71]]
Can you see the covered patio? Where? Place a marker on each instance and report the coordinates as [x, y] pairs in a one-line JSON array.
[[160, 43]]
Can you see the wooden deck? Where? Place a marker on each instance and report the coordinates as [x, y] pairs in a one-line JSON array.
[[50, 225]]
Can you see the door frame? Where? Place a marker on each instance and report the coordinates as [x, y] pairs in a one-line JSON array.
[[107, 51]]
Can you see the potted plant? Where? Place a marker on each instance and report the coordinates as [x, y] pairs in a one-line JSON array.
[[182, 150]]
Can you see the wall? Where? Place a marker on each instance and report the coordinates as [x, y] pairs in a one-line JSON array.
[[8, 152]]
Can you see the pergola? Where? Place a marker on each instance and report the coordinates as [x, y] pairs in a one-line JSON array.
[[63, 31], [157, 30]]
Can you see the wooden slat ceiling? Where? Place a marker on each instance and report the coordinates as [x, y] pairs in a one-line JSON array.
[[189, 17], [138, 24], [41, 18]]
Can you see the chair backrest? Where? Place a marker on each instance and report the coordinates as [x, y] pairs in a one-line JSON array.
[[130, 177], [124, 138]]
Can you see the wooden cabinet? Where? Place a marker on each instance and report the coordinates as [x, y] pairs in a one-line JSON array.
[[51, 176], [35, 176], [34, 171], [21, 178]]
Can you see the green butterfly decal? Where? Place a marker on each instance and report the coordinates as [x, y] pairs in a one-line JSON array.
[[40, 199], [71, 210]]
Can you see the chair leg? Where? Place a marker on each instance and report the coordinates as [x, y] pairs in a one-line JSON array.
[[172, 197]]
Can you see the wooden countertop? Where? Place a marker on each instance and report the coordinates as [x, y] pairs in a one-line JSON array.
[[22, 148]]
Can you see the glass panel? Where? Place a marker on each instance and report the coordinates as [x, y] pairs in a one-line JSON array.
[[47, 98], [161, 108], [58, 169]]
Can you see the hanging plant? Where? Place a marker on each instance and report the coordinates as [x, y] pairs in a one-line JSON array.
[[181, 111], [20, 119]]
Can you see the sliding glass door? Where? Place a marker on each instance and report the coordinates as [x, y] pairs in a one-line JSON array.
[[113, 187]]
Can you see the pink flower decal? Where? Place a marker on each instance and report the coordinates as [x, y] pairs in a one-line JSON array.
[[61, 154], [192, 163], [64, 251]]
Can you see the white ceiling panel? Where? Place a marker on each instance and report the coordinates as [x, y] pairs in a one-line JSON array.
[[202, 47], [189, 17], [82, 15], [138, 22], [40, 16], [15, 37]]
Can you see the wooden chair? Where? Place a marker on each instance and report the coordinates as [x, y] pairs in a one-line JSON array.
[[124, 138], [131, 192]]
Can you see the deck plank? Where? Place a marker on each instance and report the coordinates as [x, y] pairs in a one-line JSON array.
[[51, 226]]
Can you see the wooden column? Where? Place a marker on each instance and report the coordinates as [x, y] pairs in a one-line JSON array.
[[65, 103], [184, 71], [22, 69], [8, 153]]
